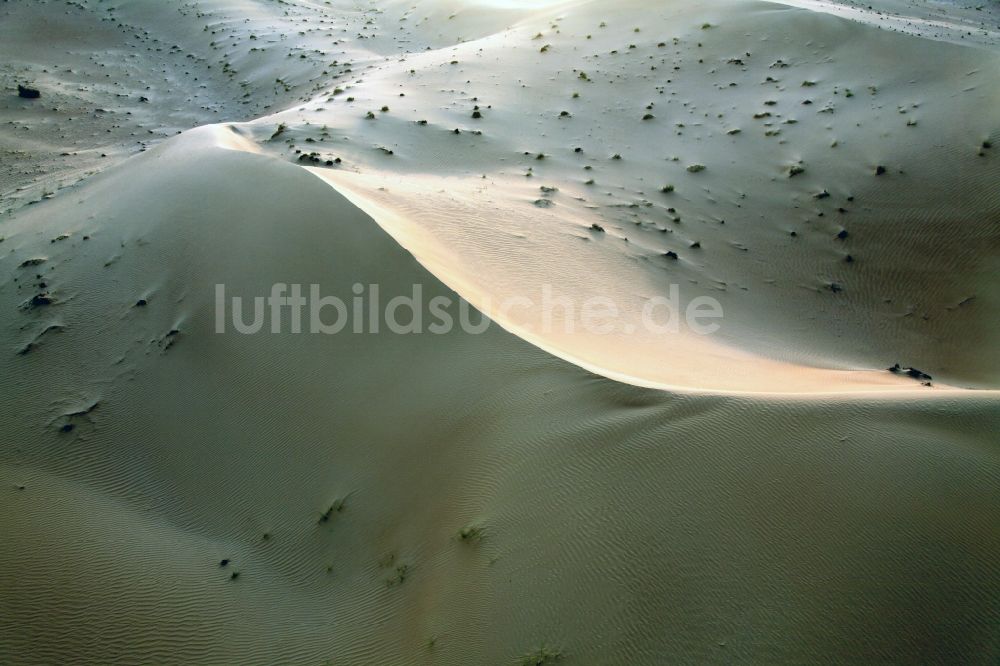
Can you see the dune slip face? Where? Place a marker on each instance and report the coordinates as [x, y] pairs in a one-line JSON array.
[[184, 482], [803, 170]]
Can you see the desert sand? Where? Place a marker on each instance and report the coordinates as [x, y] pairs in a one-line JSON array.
[[770, 493]]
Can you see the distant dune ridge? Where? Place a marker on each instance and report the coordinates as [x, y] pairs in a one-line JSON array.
[[768, 494]]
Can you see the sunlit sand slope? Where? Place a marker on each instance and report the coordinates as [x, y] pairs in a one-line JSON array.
[[826, 172], [830, 183]]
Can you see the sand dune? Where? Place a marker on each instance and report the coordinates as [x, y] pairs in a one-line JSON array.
[[813, 109], [767, 494]]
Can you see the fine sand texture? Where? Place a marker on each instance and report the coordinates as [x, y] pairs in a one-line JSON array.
[[769, 494]]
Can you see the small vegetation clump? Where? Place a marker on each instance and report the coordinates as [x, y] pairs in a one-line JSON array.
[[470, 533], [399, 575], [336, 507], [541, 656]]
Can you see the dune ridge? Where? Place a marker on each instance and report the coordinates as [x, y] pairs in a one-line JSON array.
[[817, 231]]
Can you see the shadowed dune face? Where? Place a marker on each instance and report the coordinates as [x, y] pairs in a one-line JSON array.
[[431, 499], [171, 494]]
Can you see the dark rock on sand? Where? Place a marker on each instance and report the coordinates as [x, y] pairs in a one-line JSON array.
[[39, 300], [910, 372]]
